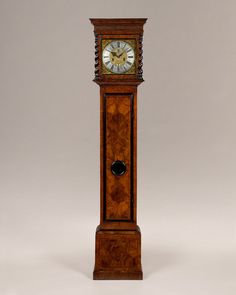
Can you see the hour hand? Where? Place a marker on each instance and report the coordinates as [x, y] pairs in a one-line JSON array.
[[120, 54]]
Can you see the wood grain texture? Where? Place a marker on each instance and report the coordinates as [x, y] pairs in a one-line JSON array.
[[118, 140], [118, 147], [118, 255]]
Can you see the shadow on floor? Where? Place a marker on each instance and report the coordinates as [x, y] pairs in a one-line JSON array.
[[155, 260]]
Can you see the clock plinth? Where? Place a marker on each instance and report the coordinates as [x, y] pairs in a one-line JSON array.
[[118, 72], [118, 255]]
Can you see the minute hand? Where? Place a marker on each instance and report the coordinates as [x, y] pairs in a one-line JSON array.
[[120, 55]]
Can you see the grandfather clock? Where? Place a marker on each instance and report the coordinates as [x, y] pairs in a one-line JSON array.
[[118, 72]]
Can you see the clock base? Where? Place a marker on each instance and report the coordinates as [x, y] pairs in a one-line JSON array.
[[118, 255]]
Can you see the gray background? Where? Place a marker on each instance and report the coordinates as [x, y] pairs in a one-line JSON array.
[[49, 147]]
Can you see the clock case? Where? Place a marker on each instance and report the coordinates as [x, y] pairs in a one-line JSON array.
[[118, 237]]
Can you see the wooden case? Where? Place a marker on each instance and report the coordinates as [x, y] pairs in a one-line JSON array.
[[118, 237]]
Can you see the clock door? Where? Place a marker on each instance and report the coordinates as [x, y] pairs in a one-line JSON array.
[[118, 152]]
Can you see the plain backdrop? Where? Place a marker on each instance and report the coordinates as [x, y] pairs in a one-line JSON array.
[[49, 147]]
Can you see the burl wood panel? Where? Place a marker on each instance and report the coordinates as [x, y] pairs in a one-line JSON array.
[[118, 146], [118, 254]]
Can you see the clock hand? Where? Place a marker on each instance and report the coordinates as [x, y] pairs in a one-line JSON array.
[[114, 53], [120, 55]]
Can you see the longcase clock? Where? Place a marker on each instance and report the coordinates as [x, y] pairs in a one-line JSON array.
[[118, 72]]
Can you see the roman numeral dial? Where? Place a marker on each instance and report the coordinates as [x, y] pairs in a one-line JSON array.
[[118, 56]]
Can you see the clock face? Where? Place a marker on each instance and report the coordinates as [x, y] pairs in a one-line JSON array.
[[118, 57]]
